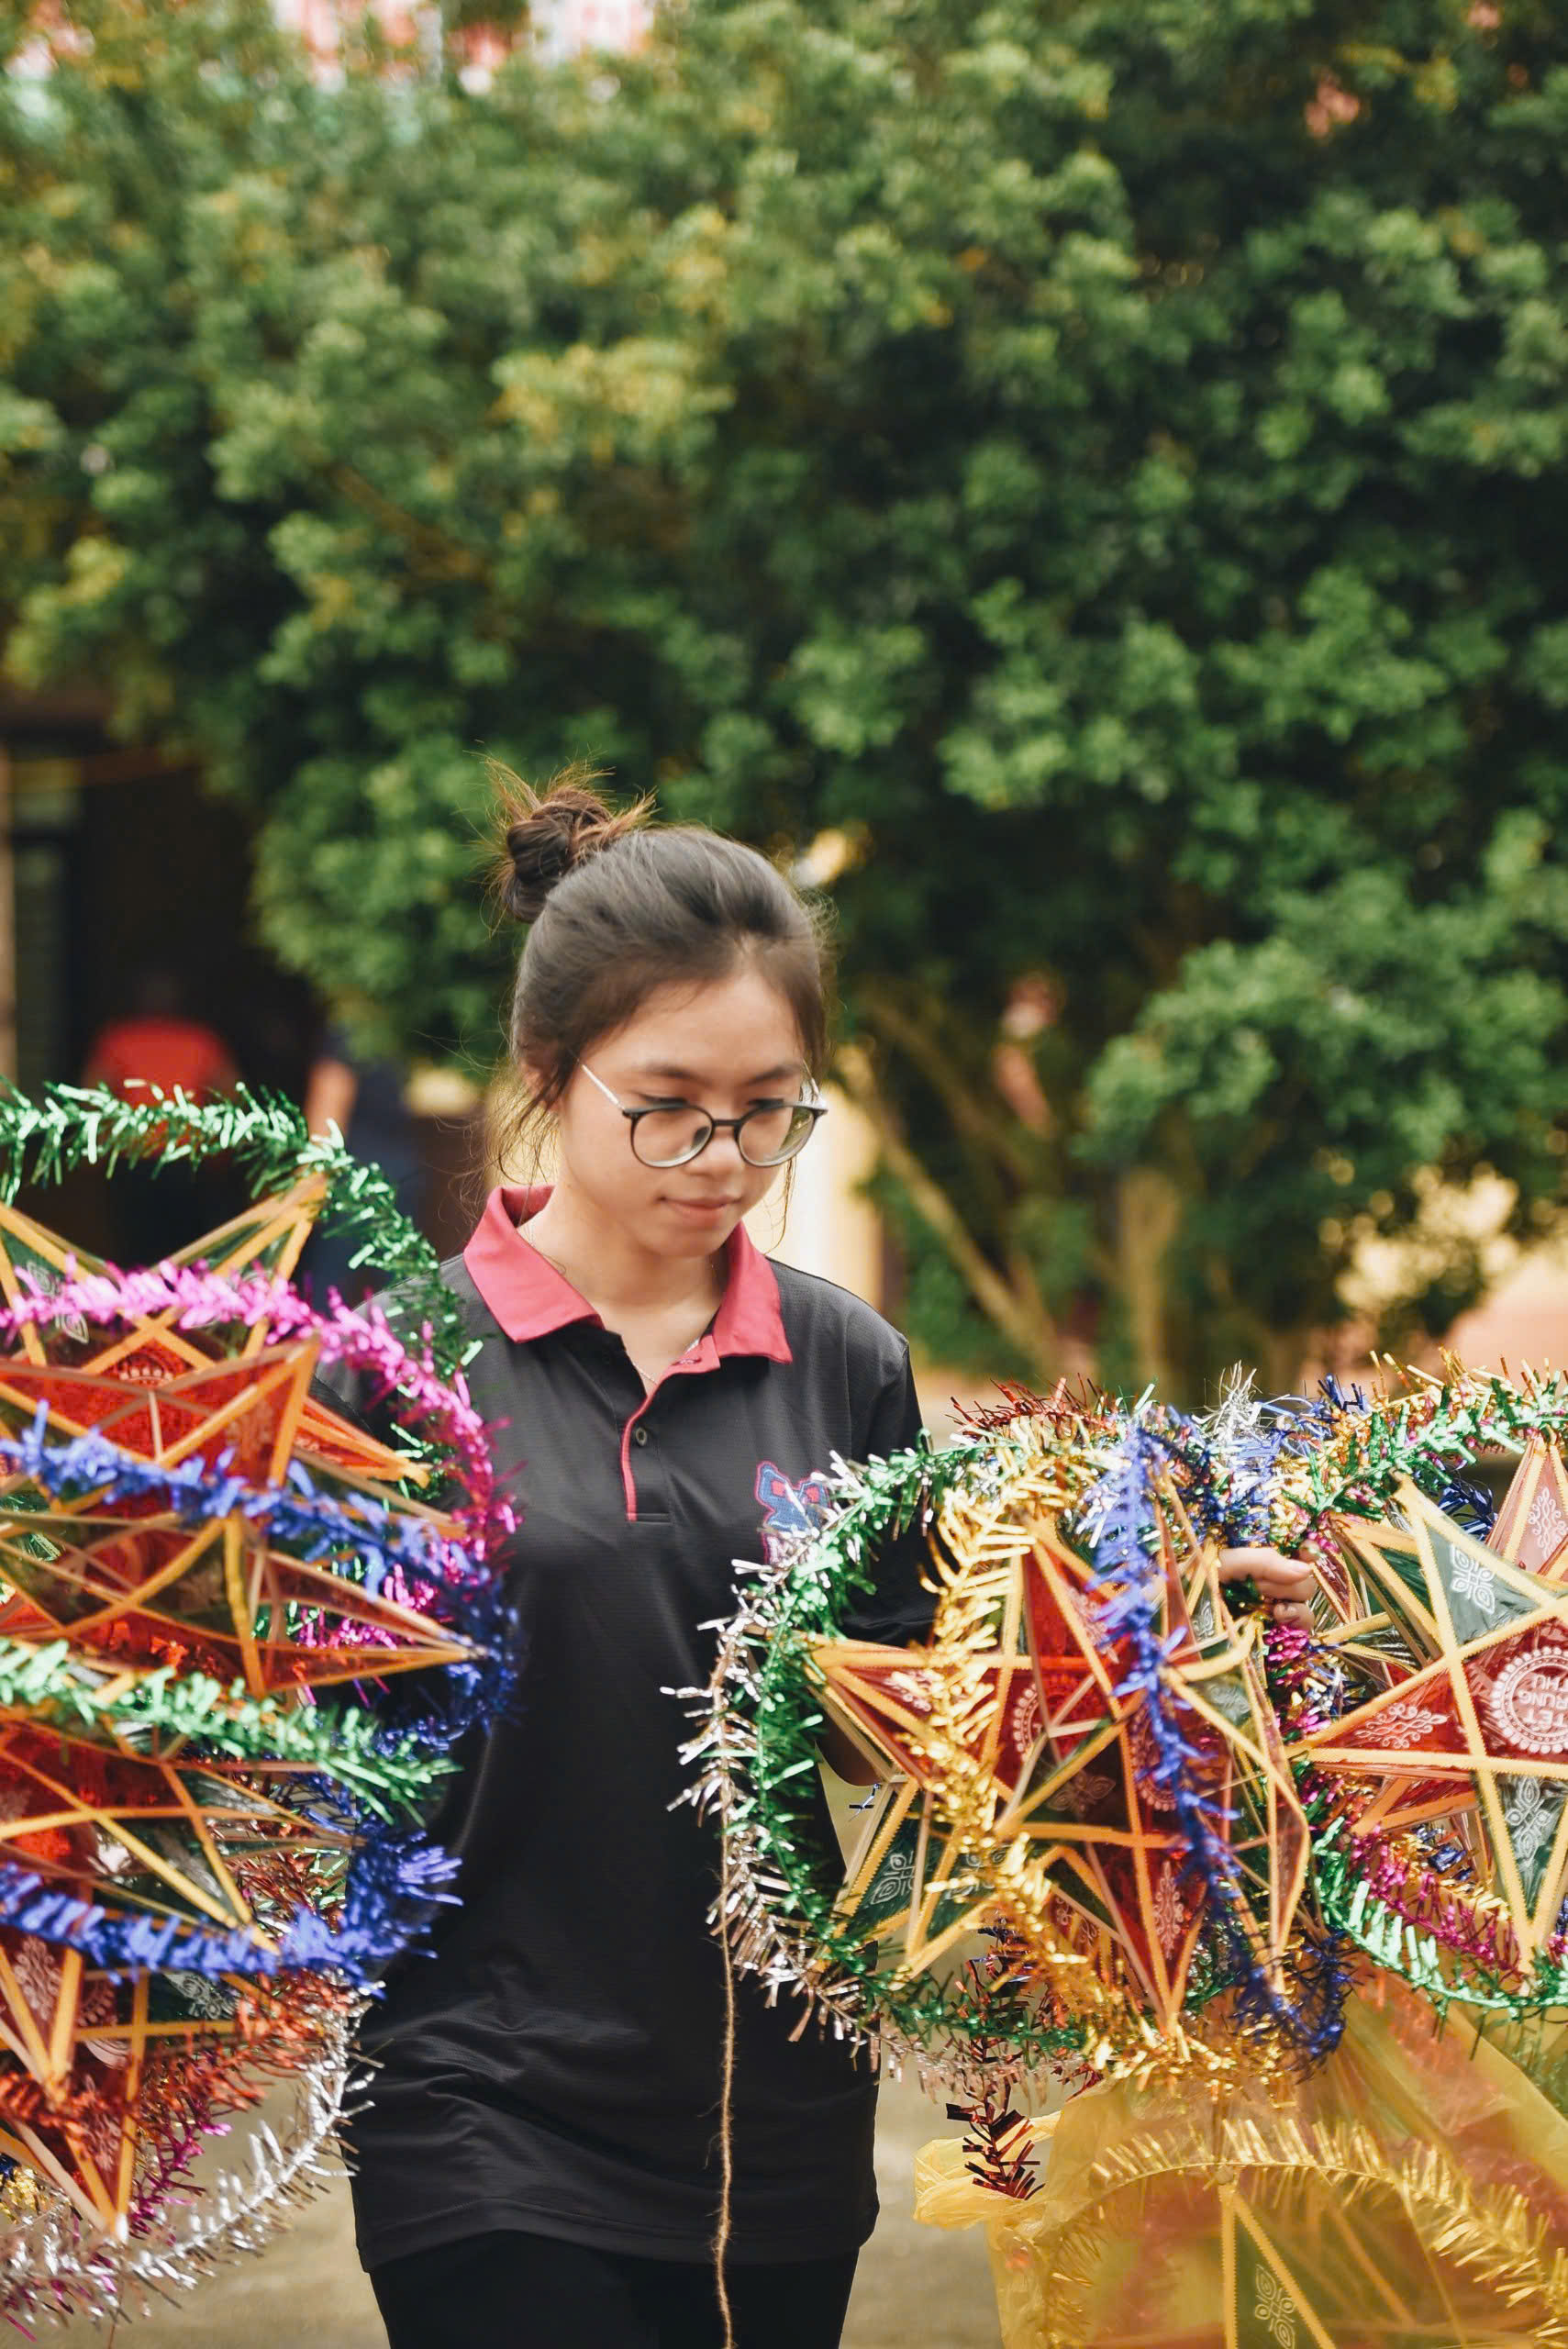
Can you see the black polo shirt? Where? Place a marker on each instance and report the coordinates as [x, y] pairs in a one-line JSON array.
[[554, 2066]]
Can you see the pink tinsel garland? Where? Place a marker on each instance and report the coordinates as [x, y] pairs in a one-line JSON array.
[[360, 1337]]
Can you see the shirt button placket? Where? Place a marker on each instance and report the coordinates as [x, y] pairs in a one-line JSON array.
[[634, 1435]]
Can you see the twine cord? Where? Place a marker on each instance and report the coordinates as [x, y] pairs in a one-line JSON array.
[[726, 2107]]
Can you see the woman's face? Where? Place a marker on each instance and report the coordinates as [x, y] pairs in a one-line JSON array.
[[722, 1046]]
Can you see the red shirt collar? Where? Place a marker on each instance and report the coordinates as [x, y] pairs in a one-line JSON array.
[[530, 1297]]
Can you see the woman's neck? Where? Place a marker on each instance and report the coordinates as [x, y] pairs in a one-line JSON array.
[[619, 1278]]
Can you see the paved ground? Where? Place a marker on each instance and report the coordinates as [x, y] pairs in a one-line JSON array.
[[916, 2288]]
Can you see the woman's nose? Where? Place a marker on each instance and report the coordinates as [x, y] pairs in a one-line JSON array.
[[724, 1150]]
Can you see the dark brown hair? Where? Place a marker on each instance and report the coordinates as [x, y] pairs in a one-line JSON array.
[[619, 907]]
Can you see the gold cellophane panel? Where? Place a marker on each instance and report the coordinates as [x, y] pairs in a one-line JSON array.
[[1413, 2194]]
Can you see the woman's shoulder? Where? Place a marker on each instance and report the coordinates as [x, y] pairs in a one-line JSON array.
[[484, 1329], [463, 1287], [818, 1312]]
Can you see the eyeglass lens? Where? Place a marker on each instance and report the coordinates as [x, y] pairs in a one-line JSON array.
[[764, 1136]]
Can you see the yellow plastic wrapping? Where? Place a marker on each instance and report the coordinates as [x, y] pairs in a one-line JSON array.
[[1412, 2196], [947, 2196]]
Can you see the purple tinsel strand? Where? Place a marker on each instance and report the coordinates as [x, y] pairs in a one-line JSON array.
[[394, 1881], [1126, 1586], [195, 1493]]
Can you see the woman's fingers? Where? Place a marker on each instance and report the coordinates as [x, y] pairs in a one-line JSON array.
[[1285, 1584], [1283, 1580]]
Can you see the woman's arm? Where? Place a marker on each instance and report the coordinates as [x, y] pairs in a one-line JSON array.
[[331, 1092]]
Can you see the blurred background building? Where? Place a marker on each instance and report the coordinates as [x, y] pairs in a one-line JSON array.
[[556, 27]]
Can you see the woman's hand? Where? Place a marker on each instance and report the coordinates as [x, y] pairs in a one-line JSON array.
[[1284, 1584]]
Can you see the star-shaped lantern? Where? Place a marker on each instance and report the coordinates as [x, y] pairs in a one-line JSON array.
[[231, 1596], [1477, 1733], [83, 2049], [93, 2065], [1531, 1531], [113, 1828], [1029, 1789]]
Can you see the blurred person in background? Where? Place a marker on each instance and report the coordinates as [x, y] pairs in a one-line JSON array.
[[366, 1099], [157, 1046]]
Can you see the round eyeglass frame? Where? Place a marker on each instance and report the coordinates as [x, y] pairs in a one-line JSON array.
[[814, 1111]]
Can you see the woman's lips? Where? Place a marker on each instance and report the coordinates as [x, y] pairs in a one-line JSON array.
[[704, 1210]]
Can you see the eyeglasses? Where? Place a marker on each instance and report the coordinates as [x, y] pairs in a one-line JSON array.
[[672, 1133]]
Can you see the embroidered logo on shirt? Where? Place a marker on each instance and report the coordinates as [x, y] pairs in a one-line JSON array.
[[787, 1508]]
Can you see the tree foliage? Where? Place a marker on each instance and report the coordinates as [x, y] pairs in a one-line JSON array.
[[1096, 469]]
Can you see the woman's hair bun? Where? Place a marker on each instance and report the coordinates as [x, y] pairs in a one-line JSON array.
[[545, 835]]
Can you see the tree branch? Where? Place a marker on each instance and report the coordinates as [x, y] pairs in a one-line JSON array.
[[976, 1123], [1148, 1214], [1030, 1330], [439, 555]]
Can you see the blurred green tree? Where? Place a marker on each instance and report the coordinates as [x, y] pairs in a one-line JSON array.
[[1088, 479]]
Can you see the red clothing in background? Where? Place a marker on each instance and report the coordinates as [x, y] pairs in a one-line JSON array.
[[155, 1049]]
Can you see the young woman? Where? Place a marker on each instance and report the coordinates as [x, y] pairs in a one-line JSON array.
[[539, 2162]]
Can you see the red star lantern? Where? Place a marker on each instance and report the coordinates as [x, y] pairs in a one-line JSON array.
[[141, 1830], [161, 1826], [97, 2068], [1531, 1531], [1029, 1790], [150, 1349]]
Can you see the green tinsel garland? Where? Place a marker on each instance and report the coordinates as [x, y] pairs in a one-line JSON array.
[[55, 1687], [1424, 1441], [1358, 1472], [761, 1750], [69, 1126], [1446, 1976]]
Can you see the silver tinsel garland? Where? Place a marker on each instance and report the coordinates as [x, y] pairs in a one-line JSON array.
[[771, 1935], [53, 2266]]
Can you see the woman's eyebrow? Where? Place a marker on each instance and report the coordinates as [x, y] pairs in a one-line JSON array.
[[689, 1076]]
